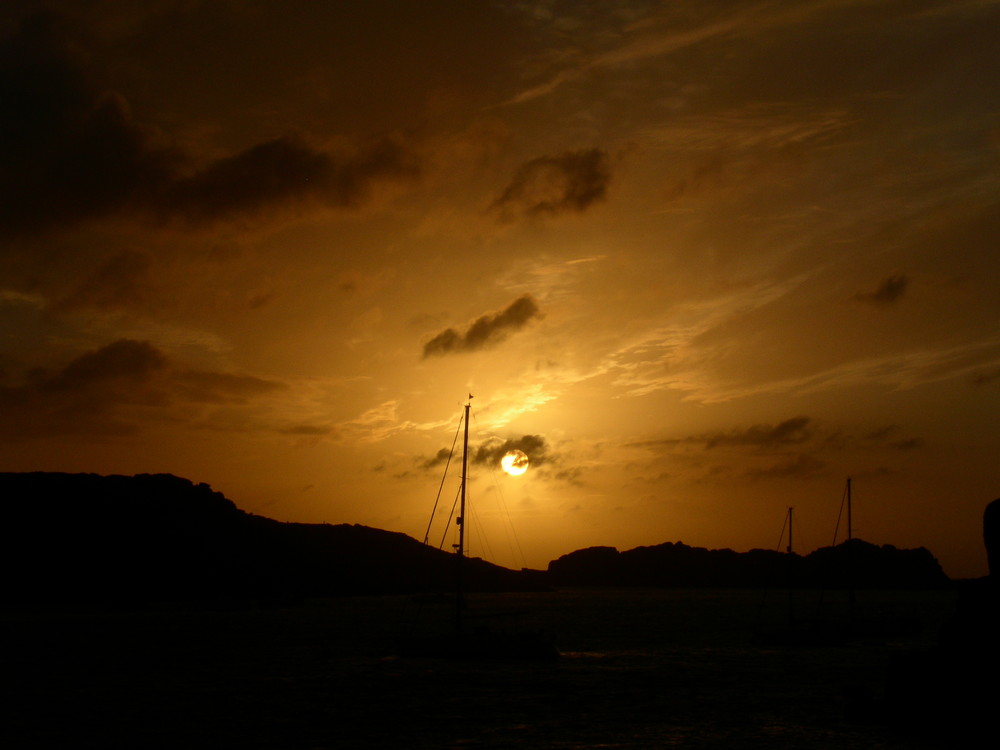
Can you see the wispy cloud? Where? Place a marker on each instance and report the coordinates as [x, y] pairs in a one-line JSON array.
[[643, 44], [640, 365], [382, 422], [901, 370], [660, 34], [758, 126], [375, 424]]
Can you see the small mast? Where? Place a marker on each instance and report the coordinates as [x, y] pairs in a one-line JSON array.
[[790, 509], [850, 520], [465, 475], [460, 547]]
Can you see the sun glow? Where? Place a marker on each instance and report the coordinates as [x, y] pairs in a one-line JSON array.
[[515, 463]]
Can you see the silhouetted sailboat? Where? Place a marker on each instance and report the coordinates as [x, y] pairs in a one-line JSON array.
[[842, 567], [798, 631], [475, 639]]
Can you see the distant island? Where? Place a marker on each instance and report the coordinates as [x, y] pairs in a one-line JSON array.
[[851, 564], [129, 541]]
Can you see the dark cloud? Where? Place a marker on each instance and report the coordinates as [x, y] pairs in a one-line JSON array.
[[791, 431], [87, 395], [801, 466], [549, 185], [222, 387], [485, 331], [122, 361], [308, 430], [882, 434], [795, 431], [986, 377], [440, 458], [890, 291], [657, 443], [283, 171], [571, 476], [886, 436], [123, 281], [491, 451], [71, 151], [108, 391]]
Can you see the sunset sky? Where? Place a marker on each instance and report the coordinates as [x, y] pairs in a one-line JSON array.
[[701, 261]]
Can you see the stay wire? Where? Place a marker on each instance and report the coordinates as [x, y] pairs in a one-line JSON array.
[[447, 526], [781, 538], [441, 486], [510, 532], [840, 514]]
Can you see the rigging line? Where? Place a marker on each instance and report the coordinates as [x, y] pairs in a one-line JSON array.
[[487, 547], [510, 532], [447, 526], [443, 477], [840, 513], [471, 511], [508, 528], [781, 538], [471, 520]]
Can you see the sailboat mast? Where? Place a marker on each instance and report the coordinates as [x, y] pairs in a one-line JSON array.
[[460, 547], [790, 530], [465, 475], [851, 562], [850, 523], [790, 571]]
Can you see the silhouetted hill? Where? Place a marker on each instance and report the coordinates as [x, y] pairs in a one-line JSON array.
[[93, 540], [126, 541], [854, 563]]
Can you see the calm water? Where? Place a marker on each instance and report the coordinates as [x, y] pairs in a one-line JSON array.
[[641, 669]]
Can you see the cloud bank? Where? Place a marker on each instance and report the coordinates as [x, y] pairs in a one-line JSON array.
[[491, 451], [112, 389], [73, 152], [280, 172], [791, 431]]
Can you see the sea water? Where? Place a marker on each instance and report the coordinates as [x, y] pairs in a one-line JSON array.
[[641, 668]]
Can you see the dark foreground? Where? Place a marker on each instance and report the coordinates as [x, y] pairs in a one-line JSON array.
[[641, 669]]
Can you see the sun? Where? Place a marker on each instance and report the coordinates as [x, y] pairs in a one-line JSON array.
[[515, 462]]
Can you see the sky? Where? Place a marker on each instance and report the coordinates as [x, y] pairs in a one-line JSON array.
[[700, 261]]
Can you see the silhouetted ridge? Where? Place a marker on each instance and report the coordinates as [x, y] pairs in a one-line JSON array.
[[852, 564], [127, 541]]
